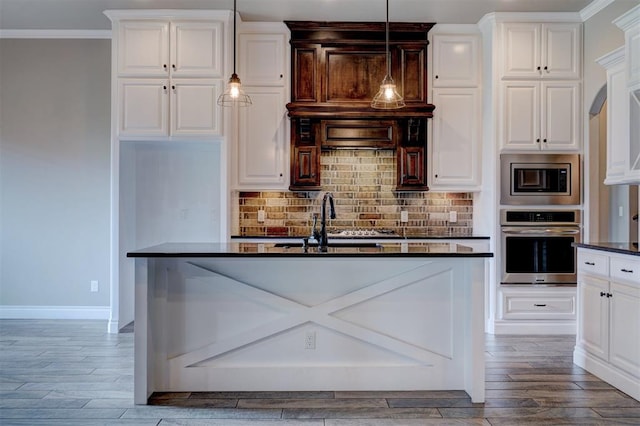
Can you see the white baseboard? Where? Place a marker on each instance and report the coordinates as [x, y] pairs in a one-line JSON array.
[[616, 377], [534, 327], [54, 312]]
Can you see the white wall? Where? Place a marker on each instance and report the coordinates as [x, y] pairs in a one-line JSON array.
[[54, 176]]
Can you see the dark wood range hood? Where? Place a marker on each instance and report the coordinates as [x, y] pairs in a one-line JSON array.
[[337, 68]]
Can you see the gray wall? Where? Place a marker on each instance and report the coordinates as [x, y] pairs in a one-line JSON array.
[[54, 172]]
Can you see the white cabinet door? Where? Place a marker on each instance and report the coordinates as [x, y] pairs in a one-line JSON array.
[[163, 108], [561, 56], [143, 48], [194, 111], [262, 59], [521, 116], [262, 140], [617, 124], [456, 60], [541, 116], [196, 49], [143, 107], [624, 350], [634, 135], [521, 50], [456, 139], [593, 315], [560, 112], [548, 51]]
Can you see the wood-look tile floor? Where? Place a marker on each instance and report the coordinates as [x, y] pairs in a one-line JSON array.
[[74, 373]]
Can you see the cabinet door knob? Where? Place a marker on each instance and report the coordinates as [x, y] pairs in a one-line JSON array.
[[538, 68], [164, 87], [546, 68], [173, 87], [436, 175], [164, 66], [538, 140], [544, 140], [173, 66], [436, 76], [609, 295], [281, 76], [602, 294]]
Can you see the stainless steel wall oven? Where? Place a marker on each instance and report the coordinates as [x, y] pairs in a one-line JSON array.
[[537, 246]]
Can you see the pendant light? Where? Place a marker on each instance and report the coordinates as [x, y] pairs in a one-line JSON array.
[[234, 95], [388, 96]]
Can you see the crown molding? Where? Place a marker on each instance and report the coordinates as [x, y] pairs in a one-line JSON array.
[[594, 8], [56, 34], [536, 17], [628, 20]]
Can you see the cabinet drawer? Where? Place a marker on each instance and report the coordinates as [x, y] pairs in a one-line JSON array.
[[530, 306], [625, 269], [593, 263]]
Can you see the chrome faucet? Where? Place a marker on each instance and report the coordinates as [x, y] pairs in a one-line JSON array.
[[322, 235]]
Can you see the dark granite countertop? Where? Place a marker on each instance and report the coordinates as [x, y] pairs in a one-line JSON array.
[[623, 248], [412, 236], [391, 249]]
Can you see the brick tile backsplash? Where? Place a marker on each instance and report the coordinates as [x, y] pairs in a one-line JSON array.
[[362, 183]]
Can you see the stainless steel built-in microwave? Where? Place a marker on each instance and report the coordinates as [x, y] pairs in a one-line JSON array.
[[540, 179]]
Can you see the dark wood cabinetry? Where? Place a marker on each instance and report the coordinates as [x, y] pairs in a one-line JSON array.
[[337, 68]]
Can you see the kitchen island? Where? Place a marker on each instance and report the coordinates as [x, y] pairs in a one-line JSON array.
[[274, 317]]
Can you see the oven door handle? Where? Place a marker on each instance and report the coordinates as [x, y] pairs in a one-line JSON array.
[[541, 231]]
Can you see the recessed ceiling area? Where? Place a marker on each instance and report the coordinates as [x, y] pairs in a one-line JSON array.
[[87, 14]]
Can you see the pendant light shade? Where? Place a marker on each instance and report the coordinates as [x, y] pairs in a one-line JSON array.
[[388, 96], [234, 94]]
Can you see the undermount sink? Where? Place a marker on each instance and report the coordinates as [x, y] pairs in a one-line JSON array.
[[330, 244]]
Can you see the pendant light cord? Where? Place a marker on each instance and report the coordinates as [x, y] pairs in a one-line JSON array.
[[386, 42], [234, 35]]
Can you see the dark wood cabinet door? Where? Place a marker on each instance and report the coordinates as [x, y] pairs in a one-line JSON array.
[[305, 168], [412, 168]]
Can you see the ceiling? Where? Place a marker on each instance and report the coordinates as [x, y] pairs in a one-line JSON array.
[[87, 14]]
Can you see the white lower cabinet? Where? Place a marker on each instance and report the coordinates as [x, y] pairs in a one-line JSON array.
[[528, 309], [608, 335]]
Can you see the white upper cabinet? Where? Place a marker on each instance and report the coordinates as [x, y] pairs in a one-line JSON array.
[[456, 139], [625, 141], [168, 71], [456, 60], [162, 108], [540, 116], [617, 117], [261, 149], [541, 51], [261, 59], [262, 139], [456, 128], [151, 48]]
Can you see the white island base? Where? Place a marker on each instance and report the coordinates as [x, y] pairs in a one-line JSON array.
[[309, 324]]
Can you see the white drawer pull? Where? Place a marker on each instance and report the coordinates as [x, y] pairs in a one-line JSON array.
[[628, 271], [590, 263]]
